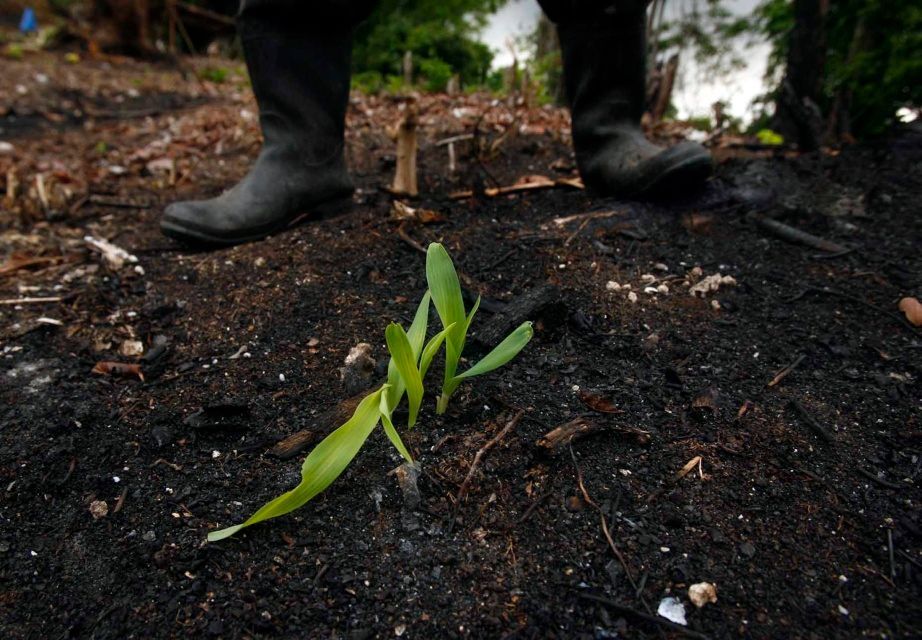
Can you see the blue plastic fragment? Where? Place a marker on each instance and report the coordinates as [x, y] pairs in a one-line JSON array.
[[28, 23]]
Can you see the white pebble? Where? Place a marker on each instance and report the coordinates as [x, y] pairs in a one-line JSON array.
[[632, 297], [611, 285]]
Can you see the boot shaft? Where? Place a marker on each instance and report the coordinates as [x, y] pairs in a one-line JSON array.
[[604, 72]]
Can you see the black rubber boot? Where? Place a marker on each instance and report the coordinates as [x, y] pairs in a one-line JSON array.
[[301, 82], [604, 71]]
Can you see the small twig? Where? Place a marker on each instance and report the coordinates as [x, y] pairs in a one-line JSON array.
[[870, 475], [578, 231], [121, 500], [171, 465], [534, 505], [890, 549], [910, 559], [605, 531], [479, 455], [31, 300], [789, 233], [592, 215], [640, 615], [403, 235], [453, 139], [781, 375], [811, 422]]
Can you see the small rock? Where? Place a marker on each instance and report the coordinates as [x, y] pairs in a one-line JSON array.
[[407, 476], [131, 348], [5, 147], [99, 509], [632, 297], [747, 549], [702, 593], [672, 609], [712, 283], [358, 369], [149, 536], [611, 285]]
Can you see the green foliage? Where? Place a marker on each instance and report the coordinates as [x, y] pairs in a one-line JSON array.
[[13, 51], [769, 137], [700, 123], [368, 82], [214, 74], [411, 356], [873, 56], [446, 295], [436, 73], [324, 464], [441, 36], [706, 29]]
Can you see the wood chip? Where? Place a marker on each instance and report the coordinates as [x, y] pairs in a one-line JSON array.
[[120, 369], [691, 464]]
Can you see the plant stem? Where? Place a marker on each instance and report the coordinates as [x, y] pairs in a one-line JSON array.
[[442, 404]]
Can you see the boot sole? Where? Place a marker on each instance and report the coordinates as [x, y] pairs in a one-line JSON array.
[[190, 235]]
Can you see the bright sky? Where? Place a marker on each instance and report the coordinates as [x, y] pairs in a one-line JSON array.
[[694, 93]]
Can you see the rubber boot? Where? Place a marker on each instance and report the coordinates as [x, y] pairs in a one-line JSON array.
[[301, 82], [605, 75]]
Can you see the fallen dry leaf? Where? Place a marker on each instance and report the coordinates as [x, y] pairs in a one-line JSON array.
[[598, 403], [122, 369], [913, 310]]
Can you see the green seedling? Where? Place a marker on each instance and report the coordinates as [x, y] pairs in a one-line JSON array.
[[446, 295], [331, 457], [411, 357]]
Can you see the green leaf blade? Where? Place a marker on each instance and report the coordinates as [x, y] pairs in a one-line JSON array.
[[402, 355], [391, 432], [501, 354], [322, 466]]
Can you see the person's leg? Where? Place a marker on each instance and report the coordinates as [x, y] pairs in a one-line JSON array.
[[604, 54], [298, 54]]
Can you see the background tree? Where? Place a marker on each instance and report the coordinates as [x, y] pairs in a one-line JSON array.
[[442, 37], [870, 66]]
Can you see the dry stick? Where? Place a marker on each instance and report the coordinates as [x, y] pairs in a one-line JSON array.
[[781, 375], [657, 620], [890, 549], [611, 542], [403, 235], [31, 300], [592, 215], [811, 422], [470, 474], [870, 475], [789, 233]]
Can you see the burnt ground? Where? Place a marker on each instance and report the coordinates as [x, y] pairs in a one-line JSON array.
[[804, 510]]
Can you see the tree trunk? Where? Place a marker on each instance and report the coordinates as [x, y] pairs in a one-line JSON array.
[[664, 90], [798, 115]]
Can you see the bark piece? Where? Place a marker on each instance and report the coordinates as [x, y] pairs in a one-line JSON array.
[[542, 304], [566, 433]]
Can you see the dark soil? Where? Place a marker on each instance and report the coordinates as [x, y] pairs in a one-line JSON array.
[[805, 535]]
